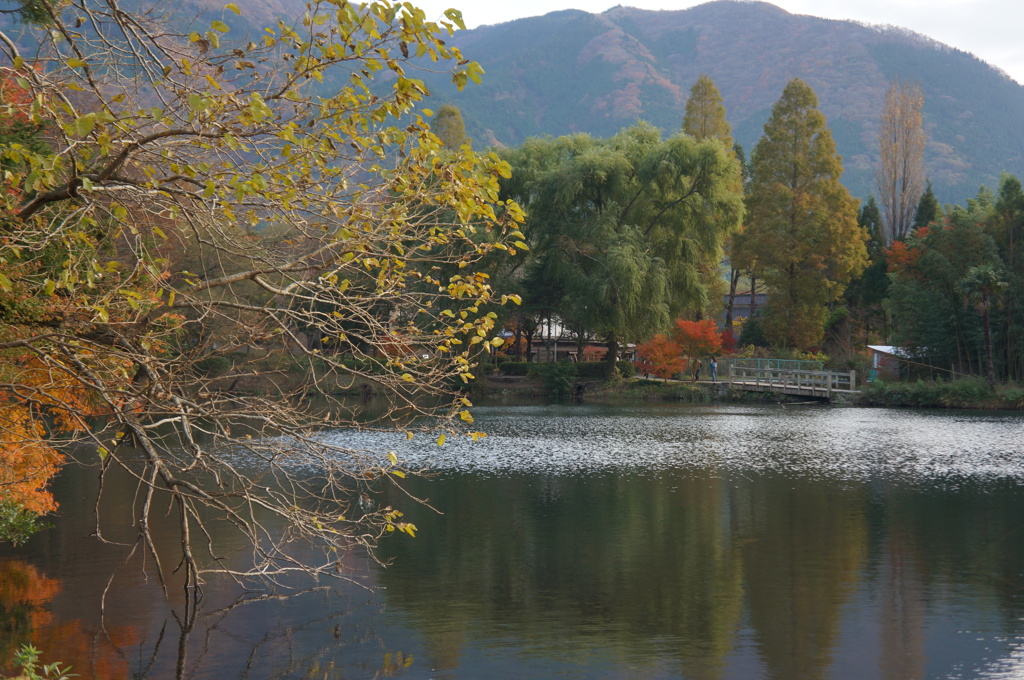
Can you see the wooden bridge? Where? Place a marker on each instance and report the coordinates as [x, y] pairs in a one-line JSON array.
[[797, 378]]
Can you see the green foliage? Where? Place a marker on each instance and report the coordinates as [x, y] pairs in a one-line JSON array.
[[559, 378], [953, 298], [970, 392], [515, 367], [753, 334], [620, 230], [28, 658], [928, 209], [17, 524]]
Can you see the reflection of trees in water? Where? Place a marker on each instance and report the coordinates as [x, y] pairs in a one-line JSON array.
[[804, 545], [633, 569], [628, 567], [317, 632], [25, 618]]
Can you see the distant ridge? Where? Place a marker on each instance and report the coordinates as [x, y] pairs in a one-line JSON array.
[[572, 71]]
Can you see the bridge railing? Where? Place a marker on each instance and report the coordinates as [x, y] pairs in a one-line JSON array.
[[783, 364], [812, 382]]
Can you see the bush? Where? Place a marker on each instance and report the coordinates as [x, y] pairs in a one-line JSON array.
[[558, 377], [626, 369], [514, 367], [592, 370], [969, 392], [752, 333]]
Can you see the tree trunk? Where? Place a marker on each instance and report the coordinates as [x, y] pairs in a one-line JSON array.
[[734, 279], [989, 366], [612, 357], [753, 296]]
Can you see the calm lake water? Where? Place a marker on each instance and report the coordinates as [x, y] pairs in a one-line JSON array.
[[607, 542]]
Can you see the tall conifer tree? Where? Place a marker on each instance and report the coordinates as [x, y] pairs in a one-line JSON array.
[[802, 226], [705, 114], [705, 119]]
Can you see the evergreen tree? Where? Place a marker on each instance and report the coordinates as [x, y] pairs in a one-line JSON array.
[[802, 225], [705, 119], [705, 114], [928, 209], [866, 294], [449, 126]]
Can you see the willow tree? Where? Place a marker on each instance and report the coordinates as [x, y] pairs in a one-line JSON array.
[[900, 176], [300, 211], [619, 228], [802, 227]]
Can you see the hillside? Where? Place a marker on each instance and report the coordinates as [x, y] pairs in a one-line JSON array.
[[572, 71]]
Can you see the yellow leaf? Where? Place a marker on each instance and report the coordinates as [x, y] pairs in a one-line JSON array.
[[398, 473], [440, 440], [233, 7]]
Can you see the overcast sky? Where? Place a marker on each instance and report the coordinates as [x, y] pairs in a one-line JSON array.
[[989, 29]]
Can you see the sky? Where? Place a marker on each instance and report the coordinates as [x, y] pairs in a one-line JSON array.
[[988, 29]]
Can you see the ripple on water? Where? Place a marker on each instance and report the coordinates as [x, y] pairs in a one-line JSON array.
[[831, 442]]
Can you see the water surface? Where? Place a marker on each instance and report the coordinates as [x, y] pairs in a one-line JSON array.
[[653, 541]]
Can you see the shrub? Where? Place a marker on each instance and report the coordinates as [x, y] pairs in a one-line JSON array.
[[514, 367], [558, 377]]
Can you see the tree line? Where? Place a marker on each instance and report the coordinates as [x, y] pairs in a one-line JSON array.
[[631, 235], [628, 234]]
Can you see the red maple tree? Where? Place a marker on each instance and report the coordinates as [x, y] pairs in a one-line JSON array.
[[698, 338], [661, 357]]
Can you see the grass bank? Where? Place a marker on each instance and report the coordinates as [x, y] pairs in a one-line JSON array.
[[964, 393]]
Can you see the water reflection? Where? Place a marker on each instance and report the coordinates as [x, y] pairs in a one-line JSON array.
[[600, 542]]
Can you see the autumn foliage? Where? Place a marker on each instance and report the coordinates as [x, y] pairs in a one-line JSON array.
[[698, 338], [661, 357]]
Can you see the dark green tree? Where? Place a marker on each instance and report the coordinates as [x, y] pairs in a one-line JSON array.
[[928, 208], [982, 287], [926, 306], [866, 294]]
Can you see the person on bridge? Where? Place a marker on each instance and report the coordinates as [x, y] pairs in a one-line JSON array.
[[696, 370], [714, 369]]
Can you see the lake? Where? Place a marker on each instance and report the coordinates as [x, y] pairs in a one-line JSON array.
[[604, 542]]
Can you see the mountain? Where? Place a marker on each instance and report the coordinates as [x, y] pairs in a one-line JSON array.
[[571, 71]]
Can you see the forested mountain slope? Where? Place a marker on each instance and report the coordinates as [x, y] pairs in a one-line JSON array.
[[573, 71]]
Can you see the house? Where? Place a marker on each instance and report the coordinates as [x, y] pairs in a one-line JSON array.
[[886, 361]]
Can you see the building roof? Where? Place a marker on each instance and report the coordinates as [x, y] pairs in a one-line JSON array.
[[892, 350]]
